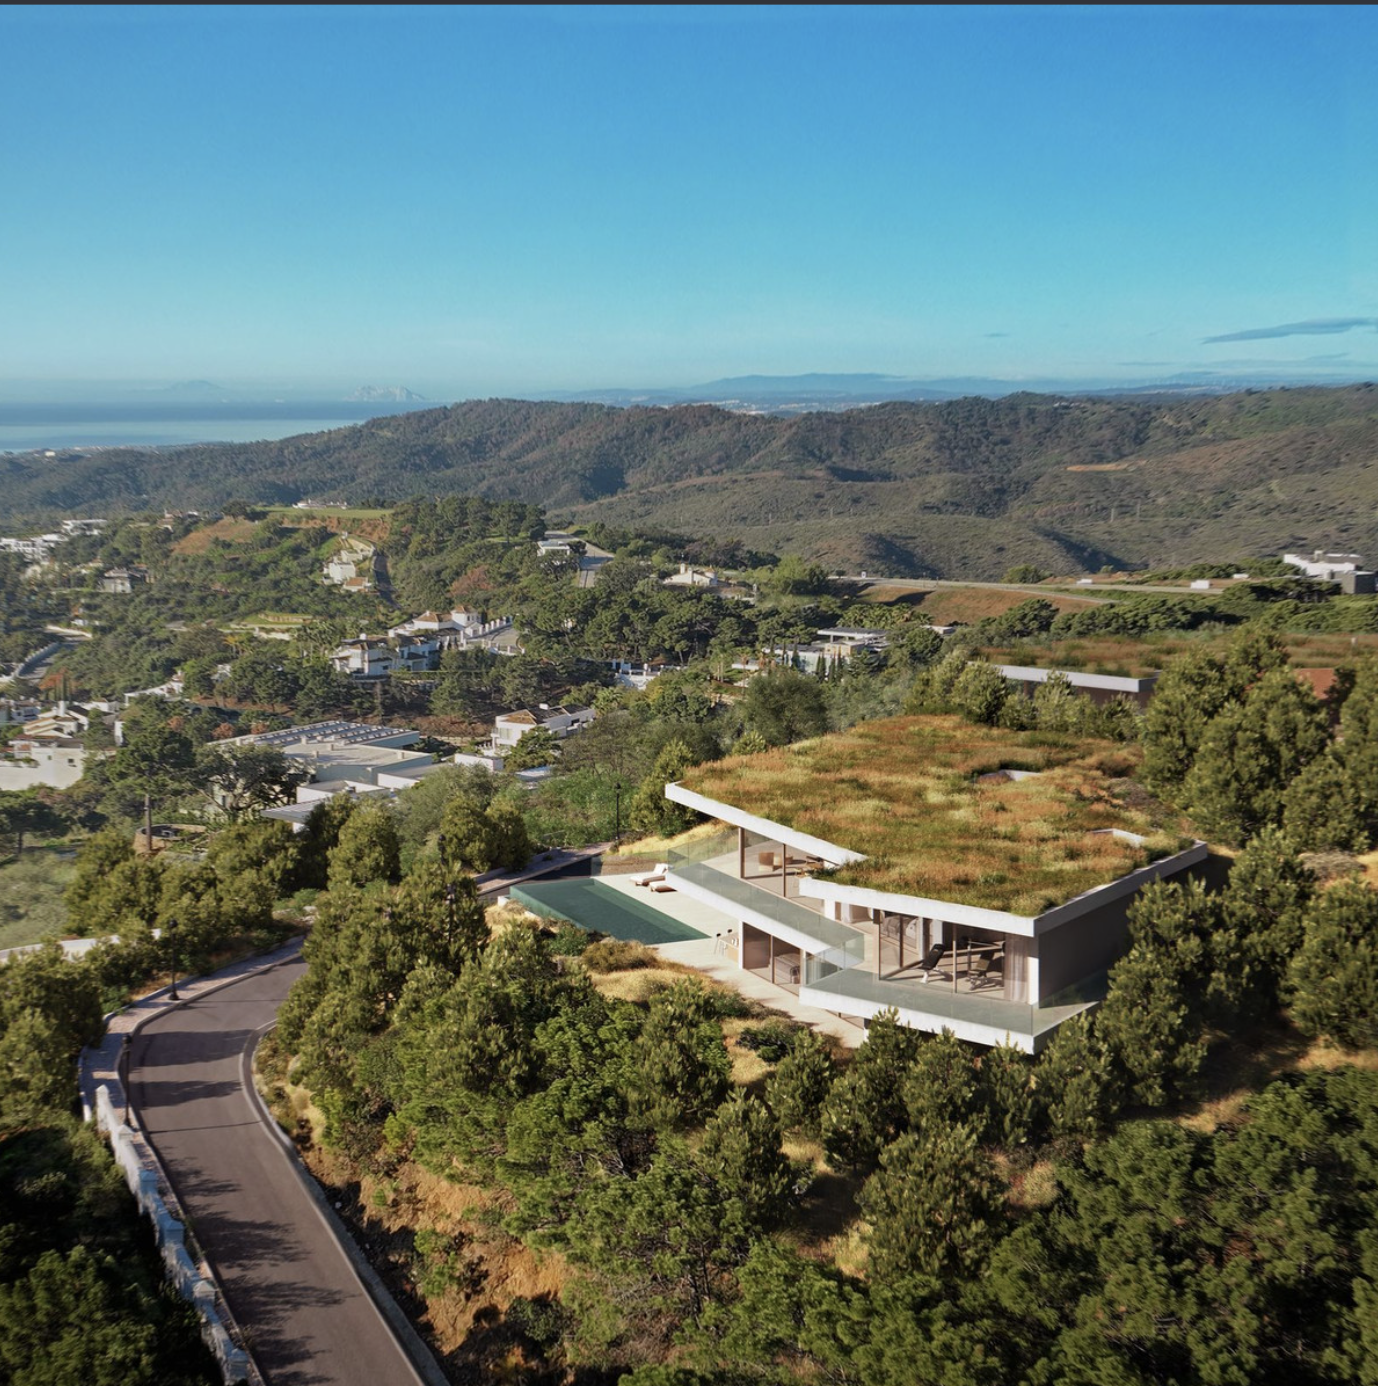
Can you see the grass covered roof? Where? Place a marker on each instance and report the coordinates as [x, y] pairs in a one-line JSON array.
[[909, 793]]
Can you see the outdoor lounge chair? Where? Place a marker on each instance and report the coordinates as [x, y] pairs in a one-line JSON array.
[[931, 959], [979, 973], [656, 873]]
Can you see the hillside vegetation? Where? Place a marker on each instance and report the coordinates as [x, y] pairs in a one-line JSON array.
[[961, 488]]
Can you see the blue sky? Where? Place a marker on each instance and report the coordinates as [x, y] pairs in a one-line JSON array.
[[482, 201]]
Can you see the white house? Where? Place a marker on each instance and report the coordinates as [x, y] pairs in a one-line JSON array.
[[690, 576], [1327, 566], [561, 722], [123, 581], [31, 761], [365, 658], [352, 565], [1099, 688], [929, 901]]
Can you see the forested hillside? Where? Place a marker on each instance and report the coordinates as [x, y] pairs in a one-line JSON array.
[[961, 488]]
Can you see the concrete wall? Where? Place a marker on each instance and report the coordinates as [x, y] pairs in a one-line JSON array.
[[140, 1171], [1082, 947], [58, 769]]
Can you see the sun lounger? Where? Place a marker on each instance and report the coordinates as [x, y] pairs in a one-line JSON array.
[[656, 873]]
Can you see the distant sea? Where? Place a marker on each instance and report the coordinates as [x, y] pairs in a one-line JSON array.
[[160, 424]]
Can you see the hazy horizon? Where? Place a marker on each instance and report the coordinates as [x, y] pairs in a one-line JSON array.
[[475, 201]]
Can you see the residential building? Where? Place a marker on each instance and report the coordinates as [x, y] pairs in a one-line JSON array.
[[1100, 688], [122, 581], [18, 710], [28, 762], [832, 646], [967, 876], [561, 722], [445, 628], [366, 658], [352, 566], [690, 576], [1328, 567]]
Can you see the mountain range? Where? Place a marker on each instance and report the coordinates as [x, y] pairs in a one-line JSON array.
[[955, 488]]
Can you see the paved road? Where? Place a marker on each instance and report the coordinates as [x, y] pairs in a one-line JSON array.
[[309, 1320]]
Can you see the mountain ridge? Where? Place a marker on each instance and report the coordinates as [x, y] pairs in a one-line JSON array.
[[963, 487]]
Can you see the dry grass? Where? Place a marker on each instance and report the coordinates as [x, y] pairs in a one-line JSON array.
[[228, 531], [654, 848], [904, 792], [1132, 659], [1031, 1188], [501, 918], [1325, 1055], [490, 1269], [638, 986], [962, 605]]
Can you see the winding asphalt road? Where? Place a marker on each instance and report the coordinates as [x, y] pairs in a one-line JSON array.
[[309, 1320]]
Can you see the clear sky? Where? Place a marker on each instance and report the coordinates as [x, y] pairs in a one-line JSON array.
[[475, 201]]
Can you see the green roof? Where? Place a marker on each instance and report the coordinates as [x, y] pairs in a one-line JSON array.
[[921, 798]]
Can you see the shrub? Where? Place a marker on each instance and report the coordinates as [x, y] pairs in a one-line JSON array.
[[617, 955]]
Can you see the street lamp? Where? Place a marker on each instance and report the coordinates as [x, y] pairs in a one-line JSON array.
[[170, 929], [617, 811]]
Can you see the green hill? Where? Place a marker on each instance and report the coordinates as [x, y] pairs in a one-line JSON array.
[[964, 487]]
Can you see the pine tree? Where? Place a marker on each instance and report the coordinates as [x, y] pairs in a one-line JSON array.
[[1323, 809], [1189, 694], [651, 811], [1333, 980], [981, 692], [471, 839], [368, 848], [679, 1068], [1006, 1093], [934, 1206], [1150, 1027], [941, 1086], [1250, 754], [1072, 1083], [1359, 738], [1262, 914], [865, 1109], [741, 1150], [800, 1084]]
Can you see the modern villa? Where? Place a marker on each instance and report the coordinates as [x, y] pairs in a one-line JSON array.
[[975, 879]]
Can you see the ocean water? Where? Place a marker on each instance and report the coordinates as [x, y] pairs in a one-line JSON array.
[[55, 427]]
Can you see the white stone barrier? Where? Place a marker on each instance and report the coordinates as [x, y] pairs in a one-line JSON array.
[[141, 1173]]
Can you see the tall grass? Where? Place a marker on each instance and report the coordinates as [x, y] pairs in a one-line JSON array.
[[906, 793], [31, 907]]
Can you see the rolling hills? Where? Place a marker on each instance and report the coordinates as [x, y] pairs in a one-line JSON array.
[[960, 488]]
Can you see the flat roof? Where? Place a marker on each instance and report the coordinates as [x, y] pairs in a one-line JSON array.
[[904, 799]]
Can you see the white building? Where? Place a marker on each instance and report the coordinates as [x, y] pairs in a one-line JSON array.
[[690, 576], [991, 960], [57, 762], [366, 658], [561, 722], [1329, 567]]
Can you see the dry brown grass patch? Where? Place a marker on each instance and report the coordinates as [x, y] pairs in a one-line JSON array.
[[905, 792]]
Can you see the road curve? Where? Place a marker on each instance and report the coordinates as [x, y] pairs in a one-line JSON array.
[[292, 1289]]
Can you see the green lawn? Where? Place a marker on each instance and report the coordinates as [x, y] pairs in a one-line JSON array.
[[31, 907]]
